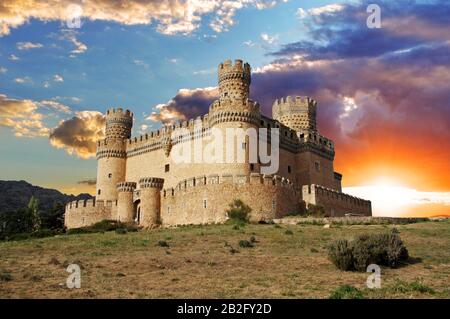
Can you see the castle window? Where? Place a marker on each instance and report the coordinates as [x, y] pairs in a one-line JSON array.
[[317, 166], [252, 167], [109, 175], [168, 209], [244, 145], [274, 205], [205, 203], [289, 169], [167, 168], [99, 192]]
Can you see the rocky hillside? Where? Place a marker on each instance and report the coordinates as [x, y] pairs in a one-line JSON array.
[[16, 194]]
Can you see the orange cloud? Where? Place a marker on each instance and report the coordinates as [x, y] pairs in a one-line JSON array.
[[172, 17], [78, 135], [22, 116]]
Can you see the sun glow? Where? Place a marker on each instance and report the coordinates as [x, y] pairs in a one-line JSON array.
[[390, 198]]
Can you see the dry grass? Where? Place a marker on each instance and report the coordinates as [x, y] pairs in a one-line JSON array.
[[198, 263]]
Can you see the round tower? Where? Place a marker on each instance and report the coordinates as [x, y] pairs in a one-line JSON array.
[[111, 153], [125, 207], [235, 110], [298, 113], [234, 80], [150, 201]]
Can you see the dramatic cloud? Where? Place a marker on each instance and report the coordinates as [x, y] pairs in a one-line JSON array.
[[12, 57], [22, 116], [79, 134], [3, 70], [185, 105], [28, 45], [171, 17]]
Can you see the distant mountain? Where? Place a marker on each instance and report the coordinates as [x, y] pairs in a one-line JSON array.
[[17, 194]]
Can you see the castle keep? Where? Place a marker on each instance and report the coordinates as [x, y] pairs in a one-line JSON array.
[[139, 180]]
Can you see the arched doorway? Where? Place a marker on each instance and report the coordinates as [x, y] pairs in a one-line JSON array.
[[137, 211]]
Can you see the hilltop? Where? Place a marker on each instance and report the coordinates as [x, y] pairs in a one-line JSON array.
[[16, 194]]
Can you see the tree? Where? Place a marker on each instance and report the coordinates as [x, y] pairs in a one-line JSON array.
[[239, 211], [54, 218], [33, 208]]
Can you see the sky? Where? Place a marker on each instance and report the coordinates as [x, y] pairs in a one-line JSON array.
[[383, 93]]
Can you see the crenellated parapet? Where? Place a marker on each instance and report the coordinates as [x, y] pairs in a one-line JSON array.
[[335, 203], [127, 187], [297, 112], [118, 123], [83, 213], [151, 182], [234, 80], [205, 199], [238, 179]]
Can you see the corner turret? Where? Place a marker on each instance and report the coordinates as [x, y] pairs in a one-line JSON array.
[[298, 113]]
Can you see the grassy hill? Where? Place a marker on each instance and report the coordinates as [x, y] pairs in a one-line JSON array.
[[287, 261], [16, 195]]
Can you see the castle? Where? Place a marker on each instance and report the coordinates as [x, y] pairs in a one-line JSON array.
[[140, 180]]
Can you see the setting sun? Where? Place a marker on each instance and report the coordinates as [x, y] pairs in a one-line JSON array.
[[392, 198]]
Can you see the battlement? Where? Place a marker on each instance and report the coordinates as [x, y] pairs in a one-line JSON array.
[[234, 80], [297, 112], [119, 112], [157, 135], [89, 203], [320, 190], [316, 138], [253, 178], [128, 187], [238, 67], [335, 203], [295, 101], [118, 123], [151, 182]]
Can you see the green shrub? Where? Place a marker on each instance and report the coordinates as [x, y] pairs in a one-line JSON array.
[[405, 287], [382, 249], [103, 226], [289, 232], [340, 254], [316, 210], [252, 239], [239, 211], [418, 286], [163, 243], [5, 275], [245, 244], [346, 292], [121, 231]]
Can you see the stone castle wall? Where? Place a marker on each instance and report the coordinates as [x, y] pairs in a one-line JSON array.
[[205, 199], [87, 212], [335, 203]]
